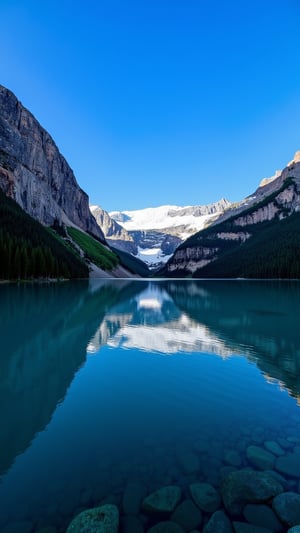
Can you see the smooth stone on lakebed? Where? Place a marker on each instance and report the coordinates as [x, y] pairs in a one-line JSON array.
[[205, 497], [247, 486], [280, 478], [232, 457], [287, 507], [225, 470], [284, 443], [273, 447], [166, 527], [260, 457], [163, 500], [218, 522], [187, 515], [262, 515], [289, 464], [101, 519], [242, 527], [295, 529]]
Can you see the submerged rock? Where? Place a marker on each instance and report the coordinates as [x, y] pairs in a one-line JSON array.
[[289, 464], [287, 507], [225, 470], [103, 519], [187, 515], [233, 458], [205, 497], [166, 527], [262, 515], [284, 443], [260, 457], [248, 486], [242, 527], [279, 478], [218, 522], [273, 447], [163, 500]]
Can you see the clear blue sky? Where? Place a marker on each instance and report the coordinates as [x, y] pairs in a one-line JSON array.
[[159, 101]]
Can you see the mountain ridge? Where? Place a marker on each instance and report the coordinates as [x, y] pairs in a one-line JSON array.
[[235, 231]]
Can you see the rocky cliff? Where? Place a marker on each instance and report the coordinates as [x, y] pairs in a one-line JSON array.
[[35, 174], [115, 234], [271, 203]]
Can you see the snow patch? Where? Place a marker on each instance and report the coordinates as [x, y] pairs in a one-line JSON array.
[[161, 218], [152, 256]]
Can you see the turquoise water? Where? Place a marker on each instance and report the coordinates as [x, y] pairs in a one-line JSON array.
[[109, 384]]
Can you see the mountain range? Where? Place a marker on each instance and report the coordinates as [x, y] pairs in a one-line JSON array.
[[154, 233], [48, 230], [255, 237]]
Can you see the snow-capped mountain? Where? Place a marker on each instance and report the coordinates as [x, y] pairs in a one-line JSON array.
[[179, 221], [152, 234]]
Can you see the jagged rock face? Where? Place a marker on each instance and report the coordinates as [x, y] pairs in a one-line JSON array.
[[35, 174], [115, 234], [279, 197], [109, 226], [201, 210], [191, 258]]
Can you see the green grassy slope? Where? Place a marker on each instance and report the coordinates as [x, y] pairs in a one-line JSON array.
[[94, 250], [29, 250]]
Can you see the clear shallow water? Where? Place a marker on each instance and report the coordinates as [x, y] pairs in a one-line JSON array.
[[111, 384]]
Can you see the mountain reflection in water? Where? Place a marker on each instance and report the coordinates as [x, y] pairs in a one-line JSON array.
[[87, 401], [255, 319]]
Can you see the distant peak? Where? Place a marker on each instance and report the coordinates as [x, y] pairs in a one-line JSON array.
[[296, 158]]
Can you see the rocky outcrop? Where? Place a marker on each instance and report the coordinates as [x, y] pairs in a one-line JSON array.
[[201, 210], [35, 174], [114, 233], [192, 258]]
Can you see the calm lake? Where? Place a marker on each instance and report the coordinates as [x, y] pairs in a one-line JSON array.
[[110, 390]]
